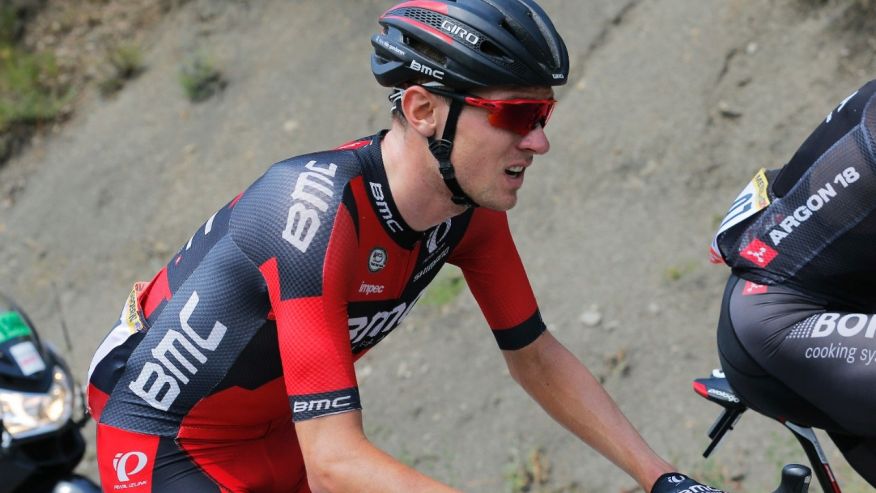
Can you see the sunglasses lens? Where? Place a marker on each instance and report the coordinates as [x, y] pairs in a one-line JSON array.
[[520, 117]]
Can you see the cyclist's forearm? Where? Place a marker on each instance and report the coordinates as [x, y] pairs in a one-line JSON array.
[[372, 471], [567, 390], [340, 459]]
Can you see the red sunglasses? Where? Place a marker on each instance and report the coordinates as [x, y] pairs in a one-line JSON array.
[[520, 116]]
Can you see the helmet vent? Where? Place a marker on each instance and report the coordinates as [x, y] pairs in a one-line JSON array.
[[424, 16], [427, 51], [490, 49]]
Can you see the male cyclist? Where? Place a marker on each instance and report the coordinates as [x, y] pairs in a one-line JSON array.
[[232, 370], [797, 332]]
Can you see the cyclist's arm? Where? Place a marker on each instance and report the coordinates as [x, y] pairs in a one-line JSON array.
[[339, 458], [567, 390]]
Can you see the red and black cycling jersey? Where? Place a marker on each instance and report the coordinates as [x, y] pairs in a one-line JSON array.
[[811, 225], [264, 310]]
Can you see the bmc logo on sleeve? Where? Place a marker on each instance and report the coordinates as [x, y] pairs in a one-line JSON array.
[[758, 253], [316, 405]]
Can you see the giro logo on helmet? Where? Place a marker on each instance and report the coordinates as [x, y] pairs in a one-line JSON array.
[[460, 32]]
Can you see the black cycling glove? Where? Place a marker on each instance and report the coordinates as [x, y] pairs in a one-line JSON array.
[[675, 482]]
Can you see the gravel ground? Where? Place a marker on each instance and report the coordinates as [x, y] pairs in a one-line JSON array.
[[671, 107]]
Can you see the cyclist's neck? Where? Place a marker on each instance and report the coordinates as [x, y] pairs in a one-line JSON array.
[[417, 188]]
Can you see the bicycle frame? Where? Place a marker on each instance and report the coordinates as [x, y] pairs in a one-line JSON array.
[[716, 389]]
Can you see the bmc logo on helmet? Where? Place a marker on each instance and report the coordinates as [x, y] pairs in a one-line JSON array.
[[419, 67], [460, 32]]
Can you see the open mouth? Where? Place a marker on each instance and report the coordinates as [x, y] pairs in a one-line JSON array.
[[514, 171]]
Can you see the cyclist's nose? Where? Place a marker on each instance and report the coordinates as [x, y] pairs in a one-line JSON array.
[[536, 141]]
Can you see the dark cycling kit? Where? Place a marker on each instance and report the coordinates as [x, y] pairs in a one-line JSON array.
[[256, 323], [797, 333]]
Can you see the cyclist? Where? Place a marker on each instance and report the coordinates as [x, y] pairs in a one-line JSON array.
[[232, 370], [797, 325]]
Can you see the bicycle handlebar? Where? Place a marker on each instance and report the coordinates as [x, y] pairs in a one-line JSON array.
[[795, 479]]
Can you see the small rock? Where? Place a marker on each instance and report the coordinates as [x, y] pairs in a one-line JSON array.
[[727, 111], [290, 126], [653, 308], [591, 317], [751, 48], [160, 248], [403, 371]]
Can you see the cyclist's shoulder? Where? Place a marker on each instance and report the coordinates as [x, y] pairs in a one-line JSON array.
[[297, 200], [317, 176]]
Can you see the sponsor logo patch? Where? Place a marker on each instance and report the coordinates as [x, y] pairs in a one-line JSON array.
[[753, 288], [759, 253], [377, 260], [128, 464], [366, 288]]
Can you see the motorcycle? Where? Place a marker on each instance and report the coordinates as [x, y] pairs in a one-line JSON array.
[[42, 411]]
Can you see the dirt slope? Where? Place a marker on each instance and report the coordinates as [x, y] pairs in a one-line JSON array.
[[671, 107]]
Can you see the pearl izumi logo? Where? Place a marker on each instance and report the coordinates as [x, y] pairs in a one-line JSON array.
[[377, 260], [437, 236], [127, 465]]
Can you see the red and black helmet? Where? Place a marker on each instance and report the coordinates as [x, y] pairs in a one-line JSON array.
[[465, 44]]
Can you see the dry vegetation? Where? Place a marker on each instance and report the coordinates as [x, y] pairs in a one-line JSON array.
[[53, 52]]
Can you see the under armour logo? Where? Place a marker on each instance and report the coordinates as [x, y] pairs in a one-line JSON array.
[[120, 464]]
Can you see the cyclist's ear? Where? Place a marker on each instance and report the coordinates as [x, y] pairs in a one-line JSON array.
[[425, 112]]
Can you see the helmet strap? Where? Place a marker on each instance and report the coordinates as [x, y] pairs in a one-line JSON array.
[[441, 149]]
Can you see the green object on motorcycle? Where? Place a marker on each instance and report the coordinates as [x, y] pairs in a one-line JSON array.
[[12, 326]]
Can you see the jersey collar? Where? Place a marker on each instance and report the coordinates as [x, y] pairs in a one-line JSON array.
[[380, 196]]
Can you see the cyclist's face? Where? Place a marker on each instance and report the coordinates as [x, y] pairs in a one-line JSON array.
[[490, 162]]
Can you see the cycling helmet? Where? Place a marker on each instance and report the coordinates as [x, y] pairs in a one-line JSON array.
[[465, 44]]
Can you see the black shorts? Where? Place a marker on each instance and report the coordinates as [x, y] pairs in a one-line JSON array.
[[792, 356]]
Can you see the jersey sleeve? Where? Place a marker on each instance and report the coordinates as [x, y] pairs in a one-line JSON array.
[[295, 228], [495, 274]]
